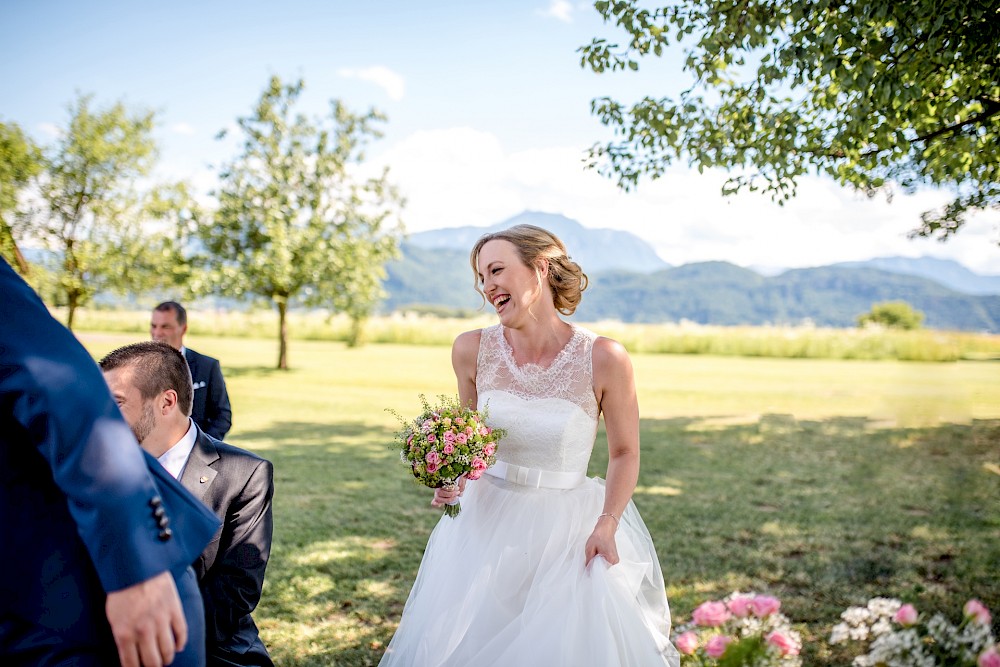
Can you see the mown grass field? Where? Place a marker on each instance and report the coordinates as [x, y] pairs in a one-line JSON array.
[[823, 482]]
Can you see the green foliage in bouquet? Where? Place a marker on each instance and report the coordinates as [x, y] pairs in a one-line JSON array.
[[445, 442]]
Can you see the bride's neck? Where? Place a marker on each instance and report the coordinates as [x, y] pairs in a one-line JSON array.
[[539, 342]]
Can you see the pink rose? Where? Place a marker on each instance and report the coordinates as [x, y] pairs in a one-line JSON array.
[[489, 448], [784, 644], [764, 605], [906, 615], [479, 464], [475, 474], [449, 436], [978, 612], [433, 457], [710, 614], [989, 658], [687, 643], [432, 468], [740, 606], [448, 448], [461, 438], [716, 646], [431, 437], [459, 421]]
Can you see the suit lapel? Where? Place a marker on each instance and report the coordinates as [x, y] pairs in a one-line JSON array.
[[198, 474]]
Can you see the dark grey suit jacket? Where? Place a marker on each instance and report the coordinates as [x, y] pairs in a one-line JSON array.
[[211, 410], [238, 487]]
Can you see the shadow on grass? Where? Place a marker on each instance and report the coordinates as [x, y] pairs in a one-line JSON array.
[[824, 514]]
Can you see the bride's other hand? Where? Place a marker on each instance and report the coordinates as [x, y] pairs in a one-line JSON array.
[[602, 541], [444, 496]]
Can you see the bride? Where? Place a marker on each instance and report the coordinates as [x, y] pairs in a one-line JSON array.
[[544, 566]]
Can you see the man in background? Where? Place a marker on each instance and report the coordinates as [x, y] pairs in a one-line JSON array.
[[97, 540], [211, 411], [151, 383]]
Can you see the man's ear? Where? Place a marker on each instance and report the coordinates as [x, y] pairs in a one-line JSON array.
[[168, 401]]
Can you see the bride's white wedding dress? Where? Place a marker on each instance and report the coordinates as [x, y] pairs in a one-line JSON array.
[[504, 583]]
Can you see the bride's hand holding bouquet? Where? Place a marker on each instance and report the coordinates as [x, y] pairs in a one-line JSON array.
[[445, 445]]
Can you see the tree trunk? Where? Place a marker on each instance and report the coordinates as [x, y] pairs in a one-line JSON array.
[[282, 335], [72, 299]]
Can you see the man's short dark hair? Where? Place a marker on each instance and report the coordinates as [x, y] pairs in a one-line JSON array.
[[178, 310], [155, 367]]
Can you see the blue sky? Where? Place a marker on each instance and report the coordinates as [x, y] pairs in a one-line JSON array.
[[488, 115]]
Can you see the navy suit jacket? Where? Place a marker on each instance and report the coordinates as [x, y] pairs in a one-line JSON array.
[[210, 410], [83, 511], [238, 486]]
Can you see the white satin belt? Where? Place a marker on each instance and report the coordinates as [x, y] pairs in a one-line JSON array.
[[535, 477]]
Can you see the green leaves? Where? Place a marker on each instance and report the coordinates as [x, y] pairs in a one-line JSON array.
[[878, 96], [296, 222]]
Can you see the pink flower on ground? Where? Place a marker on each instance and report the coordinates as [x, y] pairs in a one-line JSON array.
[[711, 614], [764, 605], [716, 646], [906, 616], [784, 644], [740, 606], [978, 612], [448, 448], [989, 658], [687, 643]]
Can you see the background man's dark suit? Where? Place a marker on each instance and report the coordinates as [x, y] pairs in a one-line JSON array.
[[238, 486], [82, 510], [211, 410]]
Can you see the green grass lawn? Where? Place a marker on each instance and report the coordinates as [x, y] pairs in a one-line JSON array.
[[821, 482]]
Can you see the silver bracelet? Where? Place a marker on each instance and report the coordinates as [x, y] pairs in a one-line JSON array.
[[617, 522]]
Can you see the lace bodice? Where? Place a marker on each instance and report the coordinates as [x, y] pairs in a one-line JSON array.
[[550, 413]]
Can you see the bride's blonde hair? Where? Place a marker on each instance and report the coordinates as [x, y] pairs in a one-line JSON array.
[[534, 245]]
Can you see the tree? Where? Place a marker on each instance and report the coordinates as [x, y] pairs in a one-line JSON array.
[[295, 221], [20, 162], [93, 216], [892, 315], [878, 95]]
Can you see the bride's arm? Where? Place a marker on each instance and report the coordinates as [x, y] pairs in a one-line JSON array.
[[614, 386], [464, 353]]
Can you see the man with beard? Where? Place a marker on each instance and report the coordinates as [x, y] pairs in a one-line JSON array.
[[152, 385]]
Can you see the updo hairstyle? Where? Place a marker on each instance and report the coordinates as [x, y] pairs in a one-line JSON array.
[[566, 279]]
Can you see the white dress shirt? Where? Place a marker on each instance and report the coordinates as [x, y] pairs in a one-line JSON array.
[[175, 458]]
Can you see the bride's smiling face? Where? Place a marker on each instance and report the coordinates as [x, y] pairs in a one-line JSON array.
[[510, 285]]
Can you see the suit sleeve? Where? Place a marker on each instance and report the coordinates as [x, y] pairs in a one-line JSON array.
[[233, 585], [218, 412], [54, 392]]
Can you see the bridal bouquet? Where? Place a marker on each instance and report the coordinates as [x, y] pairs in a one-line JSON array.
[[742, 629], [446, 441], [894, 633]]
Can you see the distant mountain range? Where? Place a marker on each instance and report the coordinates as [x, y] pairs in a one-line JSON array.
[[629, 282]]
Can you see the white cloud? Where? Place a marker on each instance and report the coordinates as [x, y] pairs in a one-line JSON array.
[[50, 130], [391, 82], [183, 129], [463, 176], [559, 9]]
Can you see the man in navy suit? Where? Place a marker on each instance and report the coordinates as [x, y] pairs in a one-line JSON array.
[[96, 539], [152, 385], [211, 410]]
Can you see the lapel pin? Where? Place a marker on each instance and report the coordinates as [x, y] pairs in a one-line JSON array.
[[203, 479]]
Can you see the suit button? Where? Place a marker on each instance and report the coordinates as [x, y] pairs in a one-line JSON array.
[[155, 502], [163, 522], [165, 534], [159, 512]]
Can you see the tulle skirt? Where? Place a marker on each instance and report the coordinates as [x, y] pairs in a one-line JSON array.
[[505, 584]]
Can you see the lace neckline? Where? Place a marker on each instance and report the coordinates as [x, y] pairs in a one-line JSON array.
[[509, 353]]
